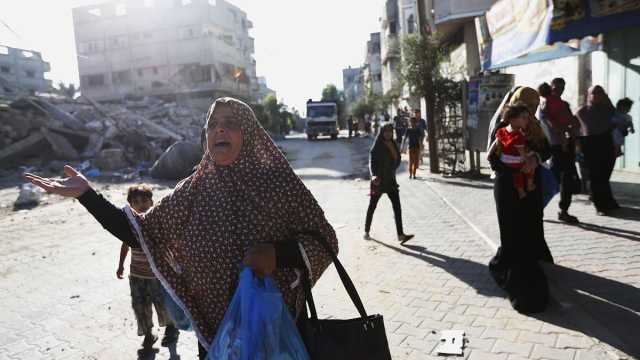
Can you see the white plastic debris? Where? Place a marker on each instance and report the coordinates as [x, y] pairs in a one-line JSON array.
[[451, 342], [29, 195]]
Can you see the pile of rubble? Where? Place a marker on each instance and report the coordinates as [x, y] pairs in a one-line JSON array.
[[34, 131]]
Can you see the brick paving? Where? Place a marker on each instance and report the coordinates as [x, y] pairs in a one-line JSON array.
[[63, 301]]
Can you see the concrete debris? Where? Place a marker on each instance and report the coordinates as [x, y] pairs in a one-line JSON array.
[[30, 195], [35, 130], [111, 159], [178, 161]]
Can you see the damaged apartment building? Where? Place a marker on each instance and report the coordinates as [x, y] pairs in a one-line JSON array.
[[195, 49]]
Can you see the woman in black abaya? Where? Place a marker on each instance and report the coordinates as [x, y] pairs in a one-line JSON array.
[[515, 267]]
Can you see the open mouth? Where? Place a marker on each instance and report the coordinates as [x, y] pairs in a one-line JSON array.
[[222, 145]]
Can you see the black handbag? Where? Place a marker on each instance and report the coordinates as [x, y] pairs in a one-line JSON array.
[[332, 339]]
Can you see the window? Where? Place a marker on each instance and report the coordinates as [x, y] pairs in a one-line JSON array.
[[392, 27], [186, 33], [155, 70], [26, 54], [116, 42], [96, 80], [4, 50], [95, 12], [148, 3], [121, 77], [30, 74], [121, 9], [140, 73], [147, 35], [90, 47], [5, 69], [411, 24]]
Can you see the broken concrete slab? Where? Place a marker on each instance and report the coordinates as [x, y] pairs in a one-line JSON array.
[[25, 147], [62, 148], [111, 159], [178, 161]]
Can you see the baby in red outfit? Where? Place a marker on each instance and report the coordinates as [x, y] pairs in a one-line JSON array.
[[511, 143]]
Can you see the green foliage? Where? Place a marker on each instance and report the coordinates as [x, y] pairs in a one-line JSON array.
[[67, 91], [273, 115], [421, 60], [330, 93]]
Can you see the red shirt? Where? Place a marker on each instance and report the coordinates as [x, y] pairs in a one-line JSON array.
[[510, 140], [557, 111]]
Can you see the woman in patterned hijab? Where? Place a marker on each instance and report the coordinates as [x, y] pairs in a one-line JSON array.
[[243, 204]]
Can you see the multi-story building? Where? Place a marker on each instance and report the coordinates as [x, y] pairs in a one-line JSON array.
[[22, 72], [390, 53], [164, 47], [372, 69], [263, 90], [353, 85]]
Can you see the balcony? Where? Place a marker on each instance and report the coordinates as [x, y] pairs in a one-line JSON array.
[[449, 10], [391, 50]]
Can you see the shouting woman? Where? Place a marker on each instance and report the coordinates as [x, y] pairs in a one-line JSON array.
[[243, 205]]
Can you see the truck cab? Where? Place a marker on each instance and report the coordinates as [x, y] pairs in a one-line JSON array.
[[322, 119]]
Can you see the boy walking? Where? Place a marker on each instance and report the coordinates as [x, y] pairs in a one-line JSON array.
[[145, 287]]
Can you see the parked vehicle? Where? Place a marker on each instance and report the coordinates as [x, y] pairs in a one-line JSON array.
[[322, 119]]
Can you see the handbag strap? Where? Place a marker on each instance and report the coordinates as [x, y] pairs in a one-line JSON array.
[[344, 277]]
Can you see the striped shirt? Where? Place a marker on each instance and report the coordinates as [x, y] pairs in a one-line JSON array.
[[139, 265]]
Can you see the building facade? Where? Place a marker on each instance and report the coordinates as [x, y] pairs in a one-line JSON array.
[[22, 72], [372, 69], [353, 86], [164, 47], [263, 90], [390, 49]]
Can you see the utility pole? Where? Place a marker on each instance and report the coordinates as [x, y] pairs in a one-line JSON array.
[[425, 33]]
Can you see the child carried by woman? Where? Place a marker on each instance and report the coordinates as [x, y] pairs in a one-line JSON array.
[[511, 144]]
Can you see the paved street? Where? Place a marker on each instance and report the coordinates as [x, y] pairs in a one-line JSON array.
[[61, 300]]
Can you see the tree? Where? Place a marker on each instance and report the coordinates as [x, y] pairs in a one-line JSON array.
[[423, 55], [67, 91], [331, 93]]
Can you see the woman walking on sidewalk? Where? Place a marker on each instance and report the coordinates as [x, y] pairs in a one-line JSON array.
[[244, 205], [598, 148], [384, 160], [515, 267], [413, 136]]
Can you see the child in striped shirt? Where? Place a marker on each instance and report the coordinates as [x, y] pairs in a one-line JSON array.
[[146, 290]]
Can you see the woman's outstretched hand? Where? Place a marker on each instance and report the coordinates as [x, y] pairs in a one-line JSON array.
[[261, 259], [73, 186]]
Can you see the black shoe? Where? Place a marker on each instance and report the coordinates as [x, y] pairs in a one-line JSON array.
[[403, 238], [149, 340], [170, 336], [569, 219]]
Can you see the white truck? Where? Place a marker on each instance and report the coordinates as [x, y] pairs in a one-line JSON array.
[[322, 119]]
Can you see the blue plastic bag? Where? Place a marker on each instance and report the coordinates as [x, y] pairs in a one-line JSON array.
[[550, 185], [257, 325], [175, 312]]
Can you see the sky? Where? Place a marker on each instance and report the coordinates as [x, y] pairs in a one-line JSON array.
[[300, 45]]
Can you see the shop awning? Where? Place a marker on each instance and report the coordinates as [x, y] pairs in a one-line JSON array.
[[514, 33]]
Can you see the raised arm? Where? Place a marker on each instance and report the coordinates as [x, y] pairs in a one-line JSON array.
[[76, 185]]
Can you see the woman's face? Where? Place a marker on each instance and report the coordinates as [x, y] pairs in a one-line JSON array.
[[224, 136], [387, 134], [596, 96]]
